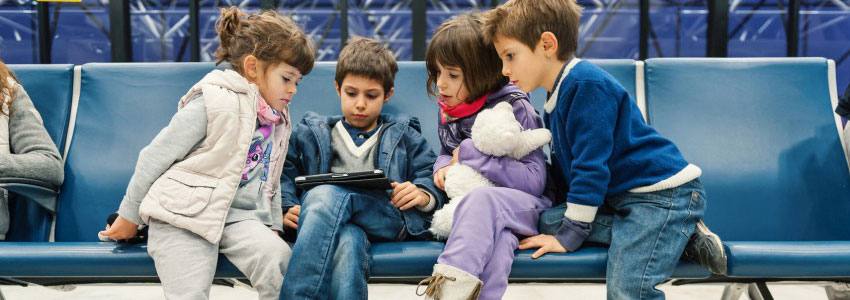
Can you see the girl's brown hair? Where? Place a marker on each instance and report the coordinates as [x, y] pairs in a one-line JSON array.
[[269, 36], [7, 89], [460, 43]]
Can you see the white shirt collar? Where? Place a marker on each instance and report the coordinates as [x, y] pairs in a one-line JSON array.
[[550, 104]]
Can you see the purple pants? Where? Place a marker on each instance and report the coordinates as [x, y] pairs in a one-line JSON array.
[[484, 234]]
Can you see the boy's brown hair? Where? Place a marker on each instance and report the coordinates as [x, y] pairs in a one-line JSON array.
[[460, 43], [368, 58], [526, 20], [7, 89], [269, 36]]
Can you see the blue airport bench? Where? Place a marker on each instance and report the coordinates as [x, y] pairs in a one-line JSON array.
[[122, 106], [776, 176], [33, 203]]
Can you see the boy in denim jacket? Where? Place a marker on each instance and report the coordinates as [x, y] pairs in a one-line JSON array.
[[336, 224]]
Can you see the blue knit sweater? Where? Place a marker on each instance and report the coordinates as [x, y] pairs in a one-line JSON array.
[[601, 145]]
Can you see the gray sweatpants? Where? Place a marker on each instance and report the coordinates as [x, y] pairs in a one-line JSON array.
[[186, 262]]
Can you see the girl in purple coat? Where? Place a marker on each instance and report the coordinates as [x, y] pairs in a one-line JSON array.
[[464, 73]]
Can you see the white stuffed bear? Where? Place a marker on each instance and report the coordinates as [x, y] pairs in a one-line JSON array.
[[495, 132]]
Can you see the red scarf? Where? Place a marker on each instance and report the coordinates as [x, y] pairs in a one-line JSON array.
[[462, 110]]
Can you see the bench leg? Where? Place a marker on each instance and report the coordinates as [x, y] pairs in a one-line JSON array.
[[838, 291], [759, 291], [733, 291], [1, 295]]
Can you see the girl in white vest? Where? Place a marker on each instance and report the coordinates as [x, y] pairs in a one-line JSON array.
[[209, 182]]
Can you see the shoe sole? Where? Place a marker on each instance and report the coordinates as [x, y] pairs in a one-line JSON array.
[[715, 266]]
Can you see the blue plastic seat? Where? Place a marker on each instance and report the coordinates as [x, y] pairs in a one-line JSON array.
[[121, 108], [85, 259], [416, 259], [765, 136]]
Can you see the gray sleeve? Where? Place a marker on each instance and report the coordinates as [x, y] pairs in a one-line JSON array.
[[34, 155], [186, 130]]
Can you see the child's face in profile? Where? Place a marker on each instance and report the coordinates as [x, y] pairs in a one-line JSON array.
[[450, 83], [278, 85], [524, 66], [362, 100]]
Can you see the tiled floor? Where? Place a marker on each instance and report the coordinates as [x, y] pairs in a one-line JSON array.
[[794, 291]]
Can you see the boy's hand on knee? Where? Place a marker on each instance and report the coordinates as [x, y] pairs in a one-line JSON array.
[[407, 195], [545, 244], [121, 229], [290, 218]]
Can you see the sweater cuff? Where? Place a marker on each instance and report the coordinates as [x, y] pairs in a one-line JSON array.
[[130, 211], [581, 213], [431, 202], [572, 234]]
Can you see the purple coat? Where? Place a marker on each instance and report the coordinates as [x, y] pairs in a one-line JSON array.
[[527, 174]]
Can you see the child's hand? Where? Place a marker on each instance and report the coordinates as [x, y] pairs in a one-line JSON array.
[[121, 229], [290, 218], [455, 154], [406, 195], [440, 178], [546, 244]]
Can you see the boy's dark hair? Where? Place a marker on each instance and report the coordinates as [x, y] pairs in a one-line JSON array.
[[526, 20], [459, 42], [367, 58], [269, 36]]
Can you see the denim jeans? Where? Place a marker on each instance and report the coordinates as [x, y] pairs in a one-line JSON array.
[[330, 259], [646, 234]]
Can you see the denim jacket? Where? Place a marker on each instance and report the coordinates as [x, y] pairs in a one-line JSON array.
[[403, 154]]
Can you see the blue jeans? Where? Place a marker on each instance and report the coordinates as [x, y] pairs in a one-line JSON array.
[[646, 234], [330, 259]]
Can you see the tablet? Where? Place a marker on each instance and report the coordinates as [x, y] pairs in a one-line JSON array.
[[374, 179]]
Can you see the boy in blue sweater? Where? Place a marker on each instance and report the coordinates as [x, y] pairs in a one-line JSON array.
[[623, 184]]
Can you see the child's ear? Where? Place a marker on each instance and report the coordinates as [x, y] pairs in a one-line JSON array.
[[336, 88], [249, 66], [389, 95], [549, 42]]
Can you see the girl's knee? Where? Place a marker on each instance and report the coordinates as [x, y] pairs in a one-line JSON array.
[[273, 250], [483, 197]]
